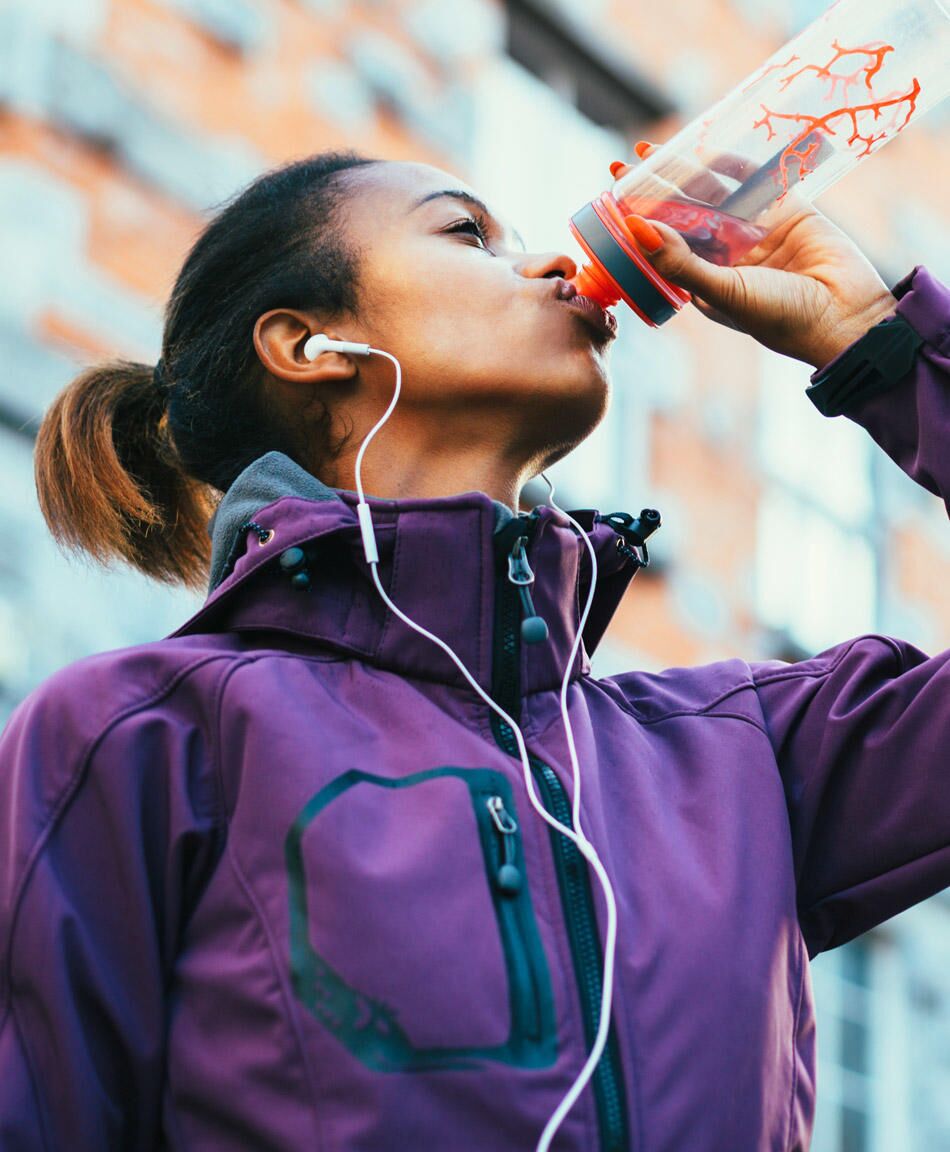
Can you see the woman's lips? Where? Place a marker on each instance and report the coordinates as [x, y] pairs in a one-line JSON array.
[[604, 323]]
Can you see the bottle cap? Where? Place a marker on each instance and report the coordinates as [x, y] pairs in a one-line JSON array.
[[618, 270]]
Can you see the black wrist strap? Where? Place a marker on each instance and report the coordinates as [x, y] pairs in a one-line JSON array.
[[874, 364]]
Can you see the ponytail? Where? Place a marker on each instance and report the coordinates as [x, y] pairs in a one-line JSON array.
[[109, 481], [129, 468]]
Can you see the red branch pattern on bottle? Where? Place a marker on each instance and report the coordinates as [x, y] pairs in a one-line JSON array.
[[801, 148], [765, 71], [825, 73]]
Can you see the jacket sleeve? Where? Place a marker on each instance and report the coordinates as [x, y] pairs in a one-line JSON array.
[[107, 828], [862, 733]]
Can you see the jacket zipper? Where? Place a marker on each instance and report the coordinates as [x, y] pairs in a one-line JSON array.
[[534, 629], [573, 879]]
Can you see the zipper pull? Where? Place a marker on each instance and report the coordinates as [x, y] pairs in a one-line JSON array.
[[508, 876], [534, 629]]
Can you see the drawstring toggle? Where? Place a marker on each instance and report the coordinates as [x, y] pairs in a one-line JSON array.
[[632, 533]]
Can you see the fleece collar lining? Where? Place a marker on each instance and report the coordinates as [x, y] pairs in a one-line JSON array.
[[264, 481]]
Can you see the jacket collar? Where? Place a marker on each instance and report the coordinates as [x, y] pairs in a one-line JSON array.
[[439, 561]]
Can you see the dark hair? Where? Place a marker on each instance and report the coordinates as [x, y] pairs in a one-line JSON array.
[[128, 465]]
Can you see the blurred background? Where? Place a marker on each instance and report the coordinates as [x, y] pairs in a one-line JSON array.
[[124, 122]]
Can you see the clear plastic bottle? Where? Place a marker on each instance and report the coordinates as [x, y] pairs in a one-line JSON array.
[[830, 97]]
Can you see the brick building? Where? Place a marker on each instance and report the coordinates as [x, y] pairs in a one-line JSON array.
[[122, 124]]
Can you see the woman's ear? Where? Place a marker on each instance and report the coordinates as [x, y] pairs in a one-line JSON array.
[[279, 339]]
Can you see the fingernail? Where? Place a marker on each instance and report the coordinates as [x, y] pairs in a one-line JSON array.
[[642, 147], [644, 233], [617, 167]]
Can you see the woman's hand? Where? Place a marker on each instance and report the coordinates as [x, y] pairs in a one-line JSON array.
[[806, 290]]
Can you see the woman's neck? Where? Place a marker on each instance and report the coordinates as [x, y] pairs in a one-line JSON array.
[[401, 463]]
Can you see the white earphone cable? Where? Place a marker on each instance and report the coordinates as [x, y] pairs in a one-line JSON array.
[[610, 936], [575, 834]]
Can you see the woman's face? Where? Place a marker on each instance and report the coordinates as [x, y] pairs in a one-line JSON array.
[[482, 328]]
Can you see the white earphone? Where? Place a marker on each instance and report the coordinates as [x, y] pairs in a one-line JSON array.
[[314, 347], [320, 343]]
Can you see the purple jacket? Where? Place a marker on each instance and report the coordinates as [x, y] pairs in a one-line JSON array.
[[272, 883]]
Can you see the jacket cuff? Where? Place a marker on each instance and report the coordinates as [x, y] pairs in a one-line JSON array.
[[922, 303], [880, 359]]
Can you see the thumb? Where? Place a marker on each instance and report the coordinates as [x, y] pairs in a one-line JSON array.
[[672, 257]]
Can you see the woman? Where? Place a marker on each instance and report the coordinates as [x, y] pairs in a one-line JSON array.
[[274, 882]]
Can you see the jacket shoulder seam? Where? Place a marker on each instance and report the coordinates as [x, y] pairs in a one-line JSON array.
[[702, 710], [685, 713], [797, 673]]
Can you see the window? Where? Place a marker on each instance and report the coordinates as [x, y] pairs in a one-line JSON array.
[[844, 1053], [863, 1078], [568, 48], [816, 573]]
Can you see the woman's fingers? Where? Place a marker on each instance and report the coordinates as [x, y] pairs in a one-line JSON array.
[[721, 288], [730, 164], [693, 180], [714, 313], [620, 167], [644, 233]]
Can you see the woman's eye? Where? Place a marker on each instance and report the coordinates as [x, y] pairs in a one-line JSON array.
[[471, 227]]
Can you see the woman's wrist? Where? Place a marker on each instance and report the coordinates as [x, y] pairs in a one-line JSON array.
[[846, 332], [876, 362]]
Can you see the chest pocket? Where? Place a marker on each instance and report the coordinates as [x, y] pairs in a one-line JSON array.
[[412, 935]]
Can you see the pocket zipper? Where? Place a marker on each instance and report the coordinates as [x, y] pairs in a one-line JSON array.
[[509, 893], [507, 875]]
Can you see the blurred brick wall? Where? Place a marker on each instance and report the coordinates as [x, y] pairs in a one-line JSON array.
[[122, 123]]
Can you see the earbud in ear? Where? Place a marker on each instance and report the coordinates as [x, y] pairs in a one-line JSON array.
[[320, 343]]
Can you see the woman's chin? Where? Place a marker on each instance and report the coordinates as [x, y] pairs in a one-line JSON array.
[[587, 390], [566, 415]]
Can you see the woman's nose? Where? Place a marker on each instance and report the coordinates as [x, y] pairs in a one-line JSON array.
[[538, 265]]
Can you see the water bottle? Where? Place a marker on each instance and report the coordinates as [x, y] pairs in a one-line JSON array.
[[833, 95]]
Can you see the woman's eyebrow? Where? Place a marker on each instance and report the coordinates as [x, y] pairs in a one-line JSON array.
[[466, 198]]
